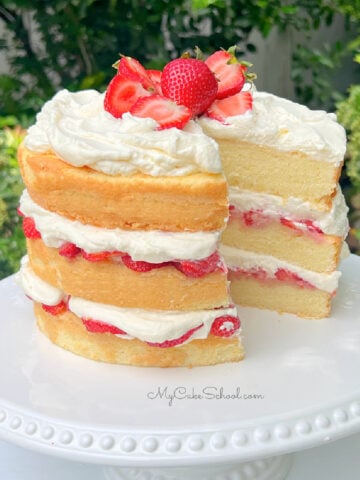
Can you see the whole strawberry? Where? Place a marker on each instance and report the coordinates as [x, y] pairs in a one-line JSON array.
[[189, 82]]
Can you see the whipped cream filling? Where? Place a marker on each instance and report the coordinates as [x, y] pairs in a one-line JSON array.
[[78, 129], [236, 258], [285, 125], [151, 246], [334, 222], [35, 287], [154, 326]]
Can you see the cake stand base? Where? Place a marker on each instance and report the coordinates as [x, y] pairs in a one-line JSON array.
[[275, 468]]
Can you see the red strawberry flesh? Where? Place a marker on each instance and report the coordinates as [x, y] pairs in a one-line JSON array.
[[121, 94], [225, 326], [235, 105], [133, 70], [57, 309], [177, 341], [29, 228], [167, 113], [69, 250], [96, 326], [228, 72], [199, 268]]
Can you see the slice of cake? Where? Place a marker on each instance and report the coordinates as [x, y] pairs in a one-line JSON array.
[[288, 218], [123, 214]]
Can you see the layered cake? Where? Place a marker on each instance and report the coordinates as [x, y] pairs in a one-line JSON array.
[[288, 218], [124, 207], [126, 203]]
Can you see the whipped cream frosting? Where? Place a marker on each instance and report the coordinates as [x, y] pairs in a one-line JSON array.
[[285, 125], [78, 129], [236, 258], [334, 222], [35, 287], [147, 325], [151, 246]]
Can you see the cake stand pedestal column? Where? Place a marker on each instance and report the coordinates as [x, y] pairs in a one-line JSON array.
[[274, 468]]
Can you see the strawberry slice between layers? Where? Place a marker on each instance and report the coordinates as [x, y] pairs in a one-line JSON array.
[[199, 268], [57, 309], [225, 326], [29, 228], [95, 326]]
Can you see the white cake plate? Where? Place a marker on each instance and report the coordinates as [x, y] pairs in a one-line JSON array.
[[299, 387]]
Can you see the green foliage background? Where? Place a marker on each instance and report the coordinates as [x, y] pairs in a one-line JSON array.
[[72, 44]]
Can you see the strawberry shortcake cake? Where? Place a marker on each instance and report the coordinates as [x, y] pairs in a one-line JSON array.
[[123, 211]]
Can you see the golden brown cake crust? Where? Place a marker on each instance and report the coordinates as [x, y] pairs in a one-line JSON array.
[[112, 283], [196, 202], [67, 331]]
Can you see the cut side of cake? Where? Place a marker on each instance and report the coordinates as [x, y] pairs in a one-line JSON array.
[[288, 218]]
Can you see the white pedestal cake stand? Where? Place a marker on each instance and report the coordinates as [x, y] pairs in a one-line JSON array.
[[298, 388]]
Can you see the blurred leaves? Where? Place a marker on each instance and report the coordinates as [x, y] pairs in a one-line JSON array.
[[72, 44], [12, 242]]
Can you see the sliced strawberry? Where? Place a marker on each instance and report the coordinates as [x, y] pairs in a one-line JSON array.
[[139, 265], [98, 256], [254, 218], [69, 250], [297, 225], [167, 113], [228, 71], [95, 326], [155, 76], [221, 327], [310, 225], [30, 230], [199, 268], [258, 273], [228, 107], [285, 275], [133, 70], [55, 309], [121, 95], [176, 341], [288, 223]]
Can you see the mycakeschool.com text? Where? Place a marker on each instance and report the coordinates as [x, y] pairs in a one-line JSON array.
[[181, 393]]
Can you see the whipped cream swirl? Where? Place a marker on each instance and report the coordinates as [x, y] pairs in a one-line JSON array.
[[78, 129]]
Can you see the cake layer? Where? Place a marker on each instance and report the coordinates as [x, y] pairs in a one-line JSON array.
[[267, 267], [195, 202], [264, 169], [264, 281], [69, 332], [284, 239], [279, 296], [112, 282], [281, 147]]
